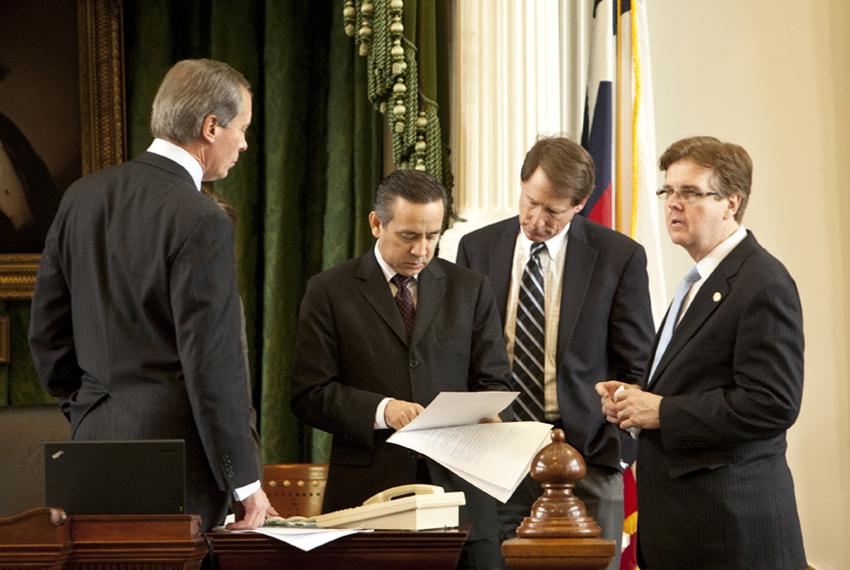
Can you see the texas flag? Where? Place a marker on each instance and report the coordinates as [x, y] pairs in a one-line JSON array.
[[619, 132], [598, 131]]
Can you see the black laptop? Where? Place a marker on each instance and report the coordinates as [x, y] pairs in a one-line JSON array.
[[115, 477]]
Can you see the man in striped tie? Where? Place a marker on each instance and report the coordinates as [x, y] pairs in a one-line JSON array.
[[574, 302]]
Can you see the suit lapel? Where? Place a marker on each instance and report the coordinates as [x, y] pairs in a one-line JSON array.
[[431, 287], [710, 296], [376, 291], [501, 261], [578, 269]]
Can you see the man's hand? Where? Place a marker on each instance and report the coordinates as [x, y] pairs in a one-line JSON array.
[[490, 420], [255, 509], [606, 391], [637, 409], [399, 413]]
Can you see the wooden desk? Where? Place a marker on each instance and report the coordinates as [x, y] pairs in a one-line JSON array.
[[45, 538], [38, 538], [383, 549], [137, 541]]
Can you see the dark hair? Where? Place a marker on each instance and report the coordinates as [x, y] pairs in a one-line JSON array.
[[569, 168], [731, 165], [415, 186]]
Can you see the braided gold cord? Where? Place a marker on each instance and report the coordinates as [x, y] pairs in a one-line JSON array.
[[393, 83]]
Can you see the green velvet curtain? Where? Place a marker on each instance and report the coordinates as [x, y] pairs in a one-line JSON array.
[[303, 189]]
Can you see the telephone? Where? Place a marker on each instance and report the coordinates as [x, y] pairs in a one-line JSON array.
[[394, 493], [406, 507]]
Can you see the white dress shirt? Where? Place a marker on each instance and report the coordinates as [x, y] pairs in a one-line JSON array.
[[707, 265], [181, 156], [552, 261]]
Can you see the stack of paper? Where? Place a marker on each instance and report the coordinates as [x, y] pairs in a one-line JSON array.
[[492, 456]]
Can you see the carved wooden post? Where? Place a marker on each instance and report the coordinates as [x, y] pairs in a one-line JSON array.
[[558, 533]]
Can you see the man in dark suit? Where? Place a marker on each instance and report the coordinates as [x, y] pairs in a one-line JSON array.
[[597, 320], [135, 316], [725, 383], [379, 337]]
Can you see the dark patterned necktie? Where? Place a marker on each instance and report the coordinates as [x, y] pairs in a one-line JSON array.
[[530, 339], [404, 300]]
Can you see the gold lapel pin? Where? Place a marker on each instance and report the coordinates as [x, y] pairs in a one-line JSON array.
[[717, 296]]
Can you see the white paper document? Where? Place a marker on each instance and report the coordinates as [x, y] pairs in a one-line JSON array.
[[461, 408], [494, 457], [305, 538]]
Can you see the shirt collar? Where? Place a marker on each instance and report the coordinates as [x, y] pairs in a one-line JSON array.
[[388, 271], [181, 156], [709, 263], [553, 244]]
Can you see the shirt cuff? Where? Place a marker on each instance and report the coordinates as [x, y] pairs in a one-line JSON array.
[[380, 421], [242, 493]]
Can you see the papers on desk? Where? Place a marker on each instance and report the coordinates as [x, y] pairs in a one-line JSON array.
[[306, 538], [494, 457], [302, 538]]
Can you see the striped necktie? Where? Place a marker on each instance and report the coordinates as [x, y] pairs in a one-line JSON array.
[[529, 339]]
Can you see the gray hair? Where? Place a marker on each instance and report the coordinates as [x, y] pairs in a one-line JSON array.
[[191, 90]]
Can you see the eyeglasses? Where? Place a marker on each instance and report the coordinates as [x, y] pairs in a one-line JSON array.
[[685, 195]]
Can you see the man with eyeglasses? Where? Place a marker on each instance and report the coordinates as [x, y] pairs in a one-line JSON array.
[[574, 300], [724, 385]]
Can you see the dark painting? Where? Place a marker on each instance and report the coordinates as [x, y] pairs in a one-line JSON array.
[[40, 148]]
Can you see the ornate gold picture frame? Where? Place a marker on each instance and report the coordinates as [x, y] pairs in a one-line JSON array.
[[102, 132]]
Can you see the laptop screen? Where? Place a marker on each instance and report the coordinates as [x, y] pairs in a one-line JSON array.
[[115, 477]]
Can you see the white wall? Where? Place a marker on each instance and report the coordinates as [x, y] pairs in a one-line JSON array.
[[774, 76]]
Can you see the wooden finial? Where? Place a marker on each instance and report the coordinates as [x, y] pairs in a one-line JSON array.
[[558, 513]]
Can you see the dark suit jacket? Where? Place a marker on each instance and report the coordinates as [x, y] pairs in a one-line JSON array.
[[605, 329], [352, 351], [135, 323], [714, 488]]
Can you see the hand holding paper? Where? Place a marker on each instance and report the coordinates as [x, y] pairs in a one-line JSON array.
[[492, 456], [460, 408]]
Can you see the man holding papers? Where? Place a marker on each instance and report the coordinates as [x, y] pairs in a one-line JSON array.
[[379, 337]]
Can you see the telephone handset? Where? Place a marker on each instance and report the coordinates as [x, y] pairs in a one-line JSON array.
[[407, 507], [403, 491]]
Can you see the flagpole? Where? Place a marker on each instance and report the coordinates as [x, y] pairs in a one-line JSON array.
[[618, 198], [635, 116]]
